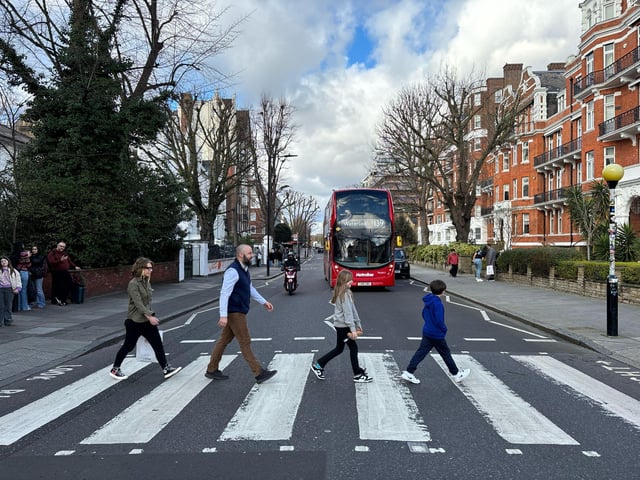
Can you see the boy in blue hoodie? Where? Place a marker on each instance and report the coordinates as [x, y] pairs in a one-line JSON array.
[[433, 333]]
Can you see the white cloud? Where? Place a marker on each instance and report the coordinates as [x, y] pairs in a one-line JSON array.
[[297, 49]]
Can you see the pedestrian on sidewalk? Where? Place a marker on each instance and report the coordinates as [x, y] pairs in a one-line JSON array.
[[39, 270], [478, 255], [490, 259], [141, 321], [24, 267], [10, 286], [348, 327], [453, 259], [434, 332], [235, 296], [59, 264]]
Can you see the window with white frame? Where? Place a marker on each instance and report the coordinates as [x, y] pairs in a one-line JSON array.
[[505, 161], [514, 188], [525, 223], [497, 164], [609, 107], [590, 165], [477, 99], [525, 152], [498, 96], [559, 178], [579, 173], [514, 224], [552, 222], [477, 144], [562, 102], [589, 116], [514, 159], [252, 216], [608, 11], [478, 234], [559, 221], [608, 54], [589, 62], [505, 192], [609, 155], [477, 122], [525, 187]]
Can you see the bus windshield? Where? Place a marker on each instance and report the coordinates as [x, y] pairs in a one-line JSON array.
[[363, 231]]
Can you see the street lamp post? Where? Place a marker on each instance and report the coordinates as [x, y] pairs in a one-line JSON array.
[[612, 174]]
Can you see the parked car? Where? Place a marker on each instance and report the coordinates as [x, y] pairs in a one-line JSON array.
[[403, 269]]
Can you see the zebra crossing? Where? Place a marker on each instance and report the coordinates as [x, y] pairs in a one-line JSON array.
[[386, 408]]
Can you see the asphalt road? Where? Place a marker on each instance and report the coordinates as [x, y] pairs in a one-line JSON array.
[[533, 407]]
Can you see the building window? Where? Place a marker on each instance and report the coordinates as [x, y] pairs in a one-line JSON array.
[[478, 234], [477, 99], [579, 173], [477, 144], [609, 155], [525, 187], [608, 54], [559, 222], [252, 216], [590, 166], [607, 11], [589, 62], [589, 117], [252, 229], [525, 223], [525, 152], [514, 160], [609, 107], [505, 192], [552, 222], [505, 161], [515, 188], [561, 102], [498, 96], [477, 122]]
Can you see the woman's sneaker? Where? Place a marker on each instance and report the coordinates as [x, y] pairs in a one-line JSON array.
[[318, 370], [117, 374], [362, 378], [409, 377], [169, 371]]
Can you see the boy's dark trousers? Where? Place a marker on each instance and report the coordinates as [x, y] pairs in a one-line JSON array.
[[426, 344]]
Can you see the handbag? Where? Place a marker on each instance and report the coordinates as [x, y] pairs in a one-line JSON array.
[[144, 351], [490, 270]]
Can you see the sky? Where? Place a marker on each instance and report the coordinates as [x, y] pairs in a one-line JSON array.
[[340, 62]]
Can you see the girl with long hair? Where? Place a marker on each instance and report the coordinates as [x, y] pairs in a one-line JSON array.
[[348, 326]]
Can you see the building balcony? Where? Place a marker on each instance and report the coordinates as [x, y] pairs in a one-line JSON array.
[[623, 71], [558, 156], [550, 199], [621, 127], [486, 185]]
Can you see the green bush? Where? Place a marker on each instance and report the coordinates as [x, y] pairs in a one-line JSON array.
[[540, 259]]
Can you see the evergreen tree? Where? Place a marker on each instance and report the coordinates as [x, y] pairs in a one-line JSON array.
[[77, 180]]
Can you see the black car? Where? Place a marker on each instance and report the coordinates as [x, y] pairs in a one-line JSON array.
[[402, 263]]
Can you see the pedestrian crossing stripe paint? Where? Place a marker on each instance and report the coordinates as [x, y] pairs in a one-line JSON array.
[[386, 409], [609, 399], [29, 418], [512, 418], [148, 416], [269, 410]]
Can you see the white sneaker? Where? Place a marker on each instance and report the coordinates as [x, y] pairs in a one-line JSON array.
[[479, 280], [461, 375], [409, 377]]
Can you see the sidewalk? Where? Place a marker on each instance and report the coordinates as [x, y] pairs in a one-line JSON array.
[[578, 319], [44, 338]]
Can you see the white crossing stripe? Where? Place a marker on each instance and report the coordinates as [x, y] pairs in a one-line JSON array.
[[269, 410], [615, 402], [149, 415], [512, 418], [386, 409], [15, 425]]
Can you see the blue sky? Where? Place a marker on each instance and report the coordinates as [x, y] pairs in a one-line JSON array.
[[339, 62]]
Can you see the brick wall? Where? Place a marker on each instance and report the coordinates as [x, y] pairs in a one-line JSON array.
[[99, 281]]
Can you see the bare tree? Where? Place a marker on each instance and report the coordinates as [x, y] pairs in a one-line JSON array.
[[300, 212], [427, 130], [205, 144], [169, 43], [273, 134]]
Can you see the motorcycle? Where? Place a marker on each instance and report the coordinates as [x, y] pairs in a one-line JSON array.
[[290, 279]]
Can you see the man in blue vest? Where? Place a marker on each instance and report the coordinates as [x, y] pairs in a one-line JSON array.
[[235, 296]]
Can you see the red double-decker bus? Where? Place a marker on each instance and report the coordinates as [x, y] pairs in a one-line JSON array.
[[358, 235]]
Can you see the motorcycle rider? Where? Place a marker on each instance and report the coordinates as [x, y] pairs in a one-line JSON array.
[[291, 261]]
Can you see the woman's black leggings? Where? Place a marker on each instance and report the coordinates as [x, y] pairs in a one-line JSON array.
[[133, 331]]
